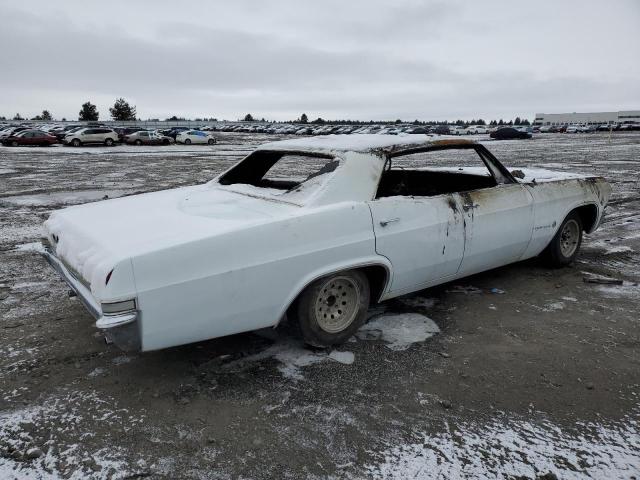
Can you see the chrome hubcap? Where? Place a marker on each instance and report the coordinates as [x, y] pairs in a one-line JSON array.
[[569, 238], [337, 304]]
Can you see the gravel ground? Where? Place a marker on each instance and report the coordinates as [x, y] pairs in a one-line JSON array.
[[541, 379]]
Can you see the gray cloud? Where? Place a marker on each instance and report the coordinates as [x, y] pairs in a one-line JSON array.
[[406, 59]]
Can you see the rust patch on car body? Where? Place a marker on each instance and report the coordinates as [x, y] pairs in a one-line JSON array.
[[452, 142]]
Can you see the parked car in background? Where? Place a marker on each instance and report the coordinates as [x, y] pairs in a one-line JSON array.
[[475, 129], [87, 136], [510, 133], [548, 129], [156, 271], [442, 130], [7, 132], [62, 132], [457, 130], [124, 131], [147, 138], [195, 136], [30, 138], [174, 131]]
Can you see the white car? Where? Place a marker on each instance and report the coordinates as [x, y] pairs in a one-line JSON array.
[[91, 135], [457, 130], [314, 230], [476, 129], [195, 136]]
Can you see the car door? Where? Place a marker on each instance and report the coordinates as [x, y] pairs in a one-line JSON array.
[[88, 135], [423, 237], [27, 138], [498, 223]]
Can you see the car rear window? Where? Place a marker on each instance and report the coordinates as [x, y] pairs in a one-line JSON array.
[[290, 175]]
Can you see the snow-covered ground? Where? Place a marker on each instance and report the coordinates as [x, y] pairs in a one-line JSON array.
[[515, 373]]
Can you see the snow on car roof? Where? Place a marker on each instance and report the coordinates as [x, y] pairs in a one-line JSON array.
[[359, 143]]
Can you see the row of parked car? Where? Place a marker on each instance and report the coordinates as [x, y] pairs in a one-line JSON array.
[[583, 128], [78, 135], [297, 129]]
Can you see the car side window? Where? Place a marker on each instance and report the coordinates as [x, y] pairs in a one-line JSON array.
[[436, 171], [88, 131]]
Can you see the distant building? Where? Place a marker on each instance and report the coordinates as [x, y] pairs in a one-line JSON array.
[[627, 116]]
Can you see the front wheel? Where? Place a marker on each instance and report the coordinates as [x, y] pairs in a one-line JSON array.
[[138, 142], [565, 245], [187, 142], [14, 144], [331, 309], [76, 143], [211, 141], [108, 142]]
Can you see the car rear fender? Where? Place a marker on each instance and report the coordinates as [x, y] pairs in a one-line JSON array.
[[376, 261]]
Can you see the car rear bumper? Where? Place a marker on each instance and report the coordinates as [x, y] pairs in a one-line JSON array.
[[122, 328]]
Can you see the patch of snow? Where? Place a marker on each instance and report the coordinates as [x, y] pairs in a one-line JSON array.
[[58, 427], [121, 360], [618, 249], [96, 372], [515, 449], [552, 307], [30, 247], [346, 358], [399, 330]]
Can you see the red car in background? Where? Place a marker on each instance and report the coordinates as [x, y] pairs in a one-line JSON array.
[[30, 137]]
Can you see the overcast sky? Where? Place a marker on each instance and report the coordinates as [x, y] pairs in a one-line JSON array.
[[367, 59]]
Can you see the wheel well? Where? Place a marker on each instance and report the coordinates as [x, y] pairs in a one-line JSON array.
[[377, 276], [588, 216]]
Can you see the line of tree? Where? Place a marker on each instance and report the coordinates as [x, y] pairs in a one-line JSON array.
[[321, 121], [123, 111]]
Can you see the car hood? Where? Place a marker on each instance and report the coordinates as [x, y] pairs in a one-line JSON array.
[[93, 238]]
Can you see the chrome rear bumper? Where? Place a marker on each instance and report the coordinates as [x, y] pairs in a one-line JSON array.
[[121, 328]]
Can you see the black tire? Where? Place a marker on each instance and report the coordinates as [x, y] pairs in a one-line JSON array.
[[211, 141], [329, 296], [564, 247], [76, 142], [187, 142], [14, 144], [138, 142], [108, 142], [166, 142]]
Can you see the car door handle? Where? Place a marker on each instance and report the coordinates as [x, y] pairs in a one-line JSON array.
[[384, 223], [466, 207]]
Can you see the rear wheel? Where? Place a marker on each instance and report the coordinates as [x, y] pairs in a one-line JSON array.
[[187, 142], [14, 144], [108, 142], [211, 141], [138, 142], [331, 309], [75, 142], [565, 245]]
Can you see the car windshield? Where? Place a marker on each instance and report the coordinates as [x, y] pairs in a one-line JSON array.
[[289, 176]]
